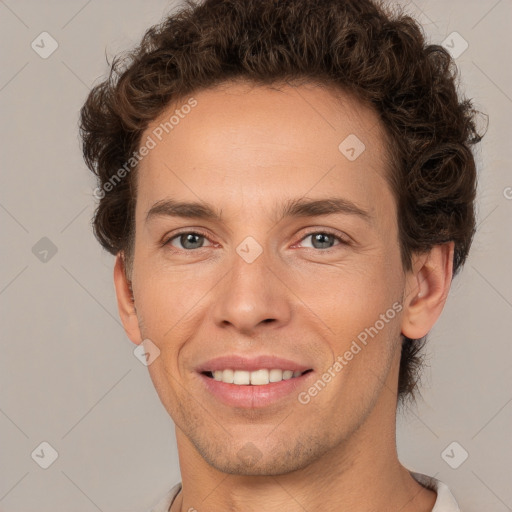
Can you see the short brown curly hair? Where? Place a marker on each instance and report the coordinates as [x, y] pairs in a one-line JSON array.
[[361, 46]]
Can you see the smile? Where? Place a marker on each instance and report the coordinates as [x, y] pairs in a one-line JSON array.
[[253, 378]]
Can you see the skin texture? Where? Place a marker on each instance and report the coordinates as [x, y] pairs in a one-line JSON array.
[[246, 150]]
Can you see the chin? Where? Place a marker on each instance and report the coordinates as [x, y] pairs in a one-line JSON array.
[[267, 466], [271, 460]]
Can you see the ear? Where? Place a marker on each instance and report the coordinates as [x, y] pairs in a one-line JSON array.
[[125, 301], [427, 289]]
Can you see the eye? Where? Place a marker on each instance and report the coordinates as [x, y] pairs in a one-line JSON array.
[[324, 239], [188, 240], [193, 240]]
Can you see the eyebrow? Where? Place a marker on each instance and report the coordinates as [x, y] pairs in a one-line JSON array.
[[300, 207]]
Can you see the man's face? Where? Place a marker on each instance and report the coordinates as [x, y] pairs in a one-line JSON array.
[[256, 283]]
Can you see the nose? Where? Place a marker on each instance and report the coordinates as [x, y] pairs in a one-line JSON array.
[[252, 296]]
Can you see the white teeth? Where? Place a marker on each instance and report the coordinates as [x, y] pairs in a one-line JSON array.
[[255, 378], [242, 377], [259, 377], [276, 375], [228, 376]]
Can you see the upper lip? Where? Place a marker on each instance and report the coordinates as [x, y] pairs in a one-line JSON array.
[[236, 362]]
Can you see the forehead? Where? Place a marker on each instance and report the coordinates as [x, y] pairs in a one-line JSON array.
[[240, 139]]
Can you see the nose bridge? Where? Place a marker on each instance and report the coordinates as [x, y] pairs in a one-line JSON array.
[[251, 295]]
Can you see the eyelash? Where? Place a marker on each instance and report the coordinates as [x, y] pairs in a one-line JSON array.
[[341, 240]]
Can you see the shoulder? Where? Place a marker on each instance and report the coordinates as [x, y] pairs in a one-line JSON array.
[[165, 501], [445, 500]]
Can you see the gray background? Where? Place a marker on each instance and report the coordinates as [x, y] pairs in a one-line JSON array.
[[68, 375]]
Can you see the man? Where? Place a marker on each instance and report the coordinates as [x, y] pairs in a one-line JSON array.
[[288, 188]]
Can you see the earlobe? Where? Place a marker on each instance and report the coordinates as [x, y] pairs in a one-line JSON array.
[[427, 288], [125, 301]]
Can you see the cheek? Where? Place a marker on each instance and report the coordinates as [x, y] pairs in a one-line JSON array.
[[171, 392], [364, 330], [360, 321], [348, 299], [167, 297]]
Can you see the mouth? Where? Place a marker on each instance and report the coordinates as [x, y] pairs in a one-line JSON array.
[[253, 382], [257, 389]]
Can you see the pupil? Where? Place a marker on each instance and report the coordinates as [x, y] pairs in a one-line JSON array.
[[189, 238], [323, 239]]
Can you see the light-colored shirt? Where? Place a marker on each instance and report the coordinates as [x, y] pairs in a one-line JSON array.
[[445, 501]]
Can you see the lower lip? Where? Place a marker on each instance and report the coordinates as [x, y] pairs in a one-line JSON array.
[[252, 397]]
